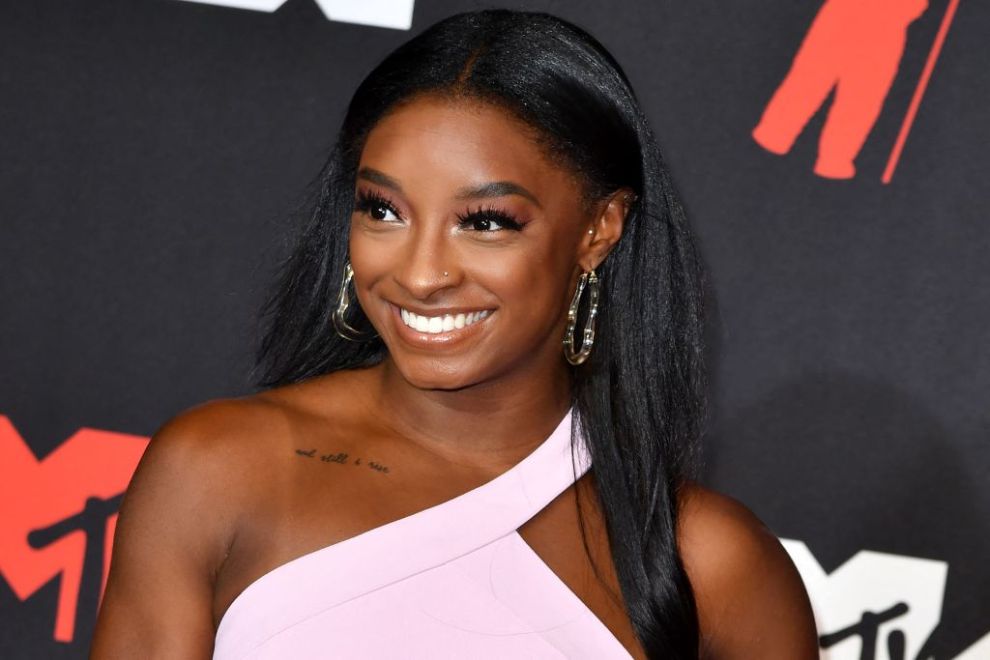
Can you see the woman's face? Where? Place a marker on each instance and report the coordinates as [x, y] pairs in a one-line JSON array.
[[466, 243]]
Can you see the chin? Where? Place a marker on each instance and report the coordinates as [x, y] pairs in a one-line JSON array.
[[425, 380], [429, 374]]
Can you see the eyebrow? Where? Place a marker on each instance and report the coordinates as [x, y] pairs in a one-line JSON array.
[[483, 191], [380, 178], [496, 189]]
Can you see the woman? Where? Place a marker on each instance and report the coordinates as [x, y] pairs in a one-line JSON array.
[[497, 263]]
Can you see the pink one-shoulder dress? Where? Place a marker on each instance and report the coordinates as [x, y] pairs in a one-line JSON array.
[[455, 580]]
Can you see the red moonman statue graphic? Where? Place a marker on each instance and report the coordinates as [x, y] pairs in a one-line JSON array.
[[855, 47]]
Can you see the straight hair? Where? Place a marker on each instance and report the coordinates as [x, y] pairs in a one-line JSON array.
[[640, 399]]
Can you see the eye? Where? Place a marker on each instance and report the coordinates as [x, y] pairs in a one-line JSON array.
[[488, 220], [375, 206]]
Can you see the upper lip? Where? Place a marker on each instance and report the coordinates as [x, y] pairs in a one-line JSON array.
[[441, 311]]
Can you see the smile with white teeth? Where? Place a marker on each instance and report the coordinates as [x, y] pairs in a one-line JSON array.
[[437, 324]]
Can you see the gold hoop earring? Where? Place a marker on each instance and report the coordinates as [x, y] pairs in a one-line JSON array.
[[343, 328], [577, 357]]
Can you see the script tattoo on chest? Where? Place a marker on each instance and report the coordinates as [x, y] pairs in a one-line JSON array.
[[342, 458]]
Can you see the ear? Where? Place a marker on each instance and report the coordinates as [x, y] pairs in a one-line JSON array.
[[605, 228]]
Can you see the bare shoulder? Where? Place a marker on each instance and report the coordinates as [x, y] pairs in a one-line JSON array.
[[751, 600], [714, 528], [176, 523], [219, 435], [210, 445], [225, 451], [207, 475], [220, 430], [202, 461]]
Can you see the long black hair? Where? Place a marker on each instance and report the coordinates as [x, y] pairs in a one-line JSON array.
[[641, 396]]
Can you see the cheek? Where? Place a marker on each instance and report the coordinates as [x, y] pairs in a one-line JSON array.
[[373, 256], [529, 284]]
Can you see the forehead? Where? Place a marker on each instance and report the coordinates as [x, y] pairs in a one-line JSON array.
[[442, 142]]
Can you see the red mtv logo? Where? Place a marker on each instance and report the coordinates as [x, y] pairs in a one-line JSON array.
[[59, 514], [853, 47]]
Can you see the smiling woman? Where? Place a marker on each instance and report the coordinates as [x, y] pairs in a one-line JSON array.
[[440, 189], [483, 390]]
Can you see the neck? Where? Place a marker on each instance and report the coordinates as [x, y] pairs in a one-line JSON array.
[[491, 425]]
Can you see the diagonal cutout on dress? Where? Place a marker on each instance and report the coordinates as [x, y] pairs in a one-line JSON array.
[[455, 580]]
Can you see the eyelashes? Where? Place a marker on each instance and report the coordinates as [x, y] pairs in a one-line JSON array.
[[371, 204], [482, 219]]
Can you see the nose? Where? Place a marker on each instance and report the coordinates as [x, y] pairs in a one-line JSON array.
[[428, 263]]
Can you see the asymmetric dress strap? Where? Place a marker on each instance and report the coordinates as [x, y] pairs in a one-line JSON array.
[[455, 580]]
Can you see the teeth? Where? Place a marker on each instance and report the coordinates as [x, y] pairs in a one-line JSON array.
[[437, 324]]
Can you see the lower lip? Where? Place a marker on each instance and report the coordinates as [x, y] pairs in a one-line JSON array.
[[417, 338]]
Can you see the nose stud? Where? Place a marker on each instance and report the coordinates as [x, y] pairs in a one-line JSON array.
[[445, 273]]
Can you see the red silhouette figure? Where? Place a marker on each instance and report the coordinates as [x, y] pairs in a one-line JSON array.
[[58, 515], [854, 46]]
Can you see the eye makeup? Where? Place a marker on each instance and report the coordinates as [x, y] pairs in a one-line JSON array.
[[372, 204], [481, 219]]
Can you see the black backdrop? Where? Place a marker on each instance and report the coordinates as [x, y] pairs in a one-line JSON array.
[[151, 152]]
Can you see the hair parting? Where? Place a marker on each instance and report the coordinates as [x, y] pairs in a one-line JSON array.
[[640, 399]]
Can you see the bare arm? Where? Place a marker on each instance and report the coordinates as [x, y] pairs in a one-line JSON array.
[[751, 600], [176, 522]]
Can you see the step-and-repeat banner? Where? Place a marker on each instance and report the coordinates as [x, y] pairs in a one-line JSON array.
[[833, 156]]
